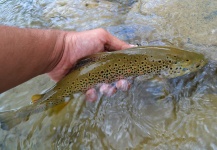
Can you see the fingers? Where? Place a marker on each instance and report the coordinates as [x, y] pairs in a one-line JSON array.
[[107, 90], [123, 85], [111, 43], [91, 95], [114, 43]]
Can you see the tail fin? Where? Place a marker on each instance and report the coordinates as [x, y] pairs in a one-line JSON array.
[[9, 119]]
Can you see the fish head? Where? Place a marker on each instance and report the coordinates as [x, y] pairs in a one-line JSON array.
[[184, 62]]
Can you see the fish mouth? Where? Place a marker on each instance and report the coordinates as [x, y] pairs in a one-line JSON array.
[[200, 65]]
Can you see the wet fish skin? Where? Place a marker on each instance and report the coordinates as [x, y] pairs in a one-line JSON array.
[[108, 67]]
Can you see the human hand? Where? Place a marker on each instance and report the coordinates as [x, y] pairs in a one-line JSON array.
[[77, 45], [37, 51], [81, 44]]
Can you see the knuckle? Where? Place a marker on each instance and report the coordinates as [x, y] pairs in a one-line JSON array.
[[102, 31]]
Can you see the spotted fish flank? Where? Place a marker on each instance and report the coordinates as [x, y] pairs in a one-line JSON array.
[[151, 61], [108, 67]]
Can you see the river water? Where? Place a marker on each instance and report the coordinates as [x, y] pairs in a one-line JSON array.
[[178, 113]]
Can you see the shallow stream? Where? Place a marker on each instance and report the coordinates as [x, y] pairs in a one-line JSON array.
[[179, 113]]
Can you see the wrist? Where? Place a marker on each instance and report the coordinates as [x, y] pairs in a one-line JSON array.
[[61, 62]]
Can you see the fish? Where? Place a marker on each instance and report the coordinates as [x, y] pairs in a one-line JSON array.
[[109, 67]]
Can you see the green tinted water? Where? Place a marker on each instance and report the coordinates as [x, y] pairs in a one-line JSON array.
[[175, 114]]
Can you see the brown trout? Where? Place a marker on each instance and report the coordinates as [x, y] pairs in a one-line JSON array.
[[108, 67]]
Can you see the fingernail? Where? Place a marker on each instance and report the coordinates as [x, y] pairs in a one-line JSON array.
[[133, 45]]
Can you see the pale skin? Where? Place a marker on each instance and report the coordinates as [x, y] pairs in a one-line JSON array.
[[26, 53]]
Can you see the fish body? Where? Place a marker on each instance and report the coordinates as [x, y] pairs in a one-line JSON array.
[[108, 67]]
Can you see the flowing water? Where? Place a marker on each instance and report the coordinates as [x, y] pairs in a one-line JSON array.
[[179, 113]]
